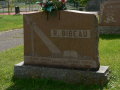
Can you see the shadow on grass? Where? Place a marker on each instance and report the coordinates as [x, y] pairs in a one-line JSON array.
[[110, 36], [48, 84]]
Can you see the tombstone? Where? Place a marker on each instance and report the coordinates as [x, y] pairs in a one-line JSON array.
[[93, 5], [62, 41], [110, 18], [61, 46]]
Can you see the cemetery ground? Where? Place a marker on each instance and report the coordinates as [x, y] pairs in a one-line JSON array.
[[109, 55], [10, 22]]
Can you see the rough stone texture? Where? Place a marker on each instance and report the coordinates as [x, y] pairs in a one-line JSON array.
[[109, 30], [68, 75], [69, 39], [110, 13]]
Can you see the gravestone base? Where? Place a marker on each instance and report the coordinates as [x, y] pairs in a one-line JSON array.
[[109, 29], [99, 77]]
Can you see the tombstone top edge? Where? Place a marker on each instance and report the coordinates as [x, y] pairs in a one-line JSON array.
[[81, 12], [71, 11]]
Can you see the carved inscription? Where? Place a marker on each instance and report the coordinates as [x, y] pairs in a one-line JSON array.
[[70, 33]]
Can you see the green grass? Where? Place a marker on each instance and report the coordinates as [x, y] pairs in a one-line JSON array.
[[9, 22], [1, 11], [109, 54]]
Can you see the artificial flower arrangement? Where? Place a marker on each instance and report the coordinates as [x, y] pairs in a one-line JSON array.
[[53, 5]]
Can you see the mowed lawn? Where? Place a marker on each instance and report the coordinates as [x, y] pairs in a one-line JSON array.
[[109, 48], [9, 22]]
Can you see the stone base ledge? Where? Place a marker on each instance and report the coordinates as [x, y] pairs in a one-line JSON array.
[[109, 29], [99, 77]]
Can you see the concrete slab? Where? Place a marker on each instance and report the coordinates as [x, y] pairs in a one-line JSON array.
[[99, 77], [11, 39]]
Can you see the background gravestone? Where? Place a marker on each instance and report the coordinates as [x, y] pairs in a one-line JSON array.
[[94, 5], [69, 40], [110, 18]]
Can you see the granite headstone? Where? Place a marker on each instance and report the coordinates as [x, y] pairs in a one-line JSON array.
[[67, 40]]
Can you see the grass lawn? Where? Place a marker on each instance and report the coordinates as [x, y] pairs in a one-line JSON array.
[[109, 48], [8, 22]]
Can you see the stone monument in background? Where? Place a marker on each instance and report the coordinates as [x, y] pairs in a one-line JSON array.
[[94, 5], [109, 17], [62, 47]]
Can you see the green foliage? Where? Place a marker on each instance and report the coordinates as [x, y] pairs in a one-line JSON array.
[[81, 2], [54, 5]]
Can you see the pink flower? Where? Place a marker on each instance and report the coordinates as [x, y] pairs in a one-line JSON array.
[[64, 1]]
